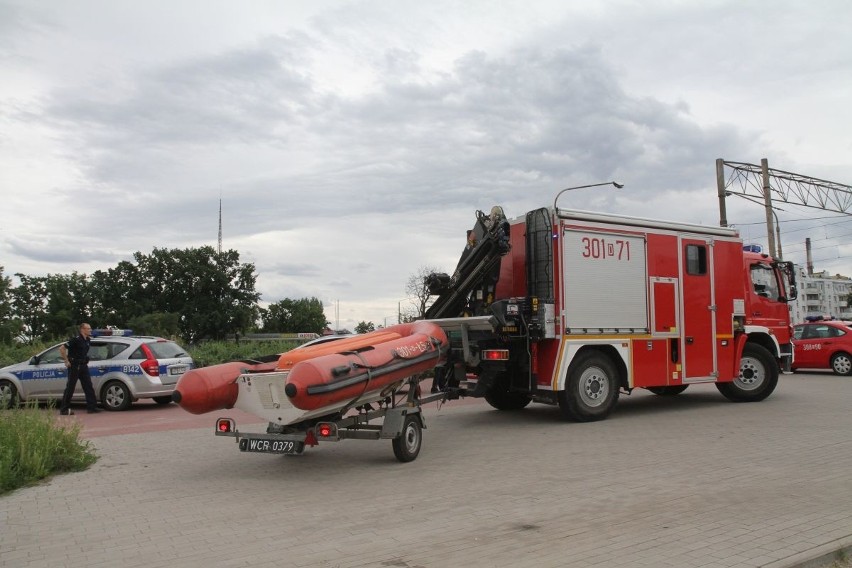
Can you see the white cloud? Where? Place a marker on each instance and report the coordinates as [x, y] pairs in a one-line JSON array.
[[352, 142]]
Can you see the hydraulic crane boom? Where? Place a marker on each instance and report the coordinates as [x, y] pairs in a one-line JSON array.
[[478, 269]]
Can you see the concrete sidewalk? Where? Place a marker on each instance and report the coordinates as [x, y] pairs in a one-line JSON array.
[[689, 481]]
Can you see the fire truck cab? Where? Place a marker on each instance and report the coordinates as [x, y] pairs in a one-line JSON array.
[[573, 308]]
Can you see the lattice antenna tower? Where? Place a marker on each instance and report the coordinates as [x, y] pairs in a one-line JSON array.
[[220, 225]]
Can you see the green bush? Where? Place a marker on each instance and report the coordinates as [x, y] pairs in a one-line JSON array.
[[215, 352], [33, 447], [11, 353]]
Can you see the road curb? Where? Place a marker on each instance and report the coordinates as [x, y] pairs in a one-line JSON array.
[[822, 556]]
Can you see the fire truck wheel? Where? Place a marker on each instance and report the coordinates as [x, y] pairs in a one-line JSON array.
[[668, 391], [591, 390], [500, 397], [407, 446], [758, 376], [841, 364]]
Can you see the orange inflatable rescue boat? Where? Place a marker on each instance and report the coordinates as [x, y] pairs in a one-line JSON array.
[[319, 380]]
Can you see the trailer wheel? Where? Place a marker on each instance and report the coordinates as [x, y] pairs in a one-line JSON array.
[[500, 397], [672, 390], [591, 390], [407, 446], [758, 376]]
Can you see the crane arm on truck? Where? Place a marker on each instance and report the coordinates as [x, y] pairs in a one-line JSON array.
[[479, 266]]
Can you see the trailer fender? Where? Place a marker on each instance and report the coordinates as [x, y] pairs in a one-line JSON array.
[[395, 421]]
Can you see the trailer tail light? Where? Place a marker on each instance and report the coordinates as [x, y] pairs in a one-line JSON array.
[[326, 430], [495, 354], [225, 426]]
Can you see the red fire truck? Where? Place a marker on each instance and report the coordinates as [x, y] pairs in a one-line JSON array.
[[573, 308]]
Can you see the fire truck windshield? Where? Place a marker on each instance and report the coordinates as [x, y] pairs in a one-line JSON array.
[[764, 280]]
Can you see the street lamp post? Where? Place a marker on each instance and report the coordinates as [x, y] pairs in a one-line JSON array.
[[615, 184]]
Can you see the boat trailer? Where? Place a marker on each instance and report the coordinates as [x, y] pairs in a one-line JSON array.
[[397, 417]]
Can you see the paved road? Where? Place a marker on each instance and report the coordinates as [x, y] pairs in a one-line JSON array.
[[691, 481]]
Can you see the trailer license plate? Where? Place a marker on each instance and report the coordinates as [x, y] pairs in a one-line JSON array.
[[267, 446]]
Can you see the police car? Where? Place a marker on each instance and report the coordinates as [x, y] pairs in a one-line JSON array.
[[124, 368]]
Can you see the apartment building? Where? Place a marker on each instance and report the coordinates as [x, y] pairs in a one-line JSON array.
[[821, 294]]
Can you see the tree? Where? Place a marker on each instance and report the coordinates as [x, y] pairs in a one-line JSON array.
[[294, 316], [197, 292], [119, 295], [365, 327], [416, 290], [212, 292], [159, 324], [68, 304], [10, 326], [29, 302]]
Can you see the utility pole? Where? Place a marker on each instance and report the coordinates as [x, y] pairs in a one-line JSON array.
[[720, 186], [767, 199]]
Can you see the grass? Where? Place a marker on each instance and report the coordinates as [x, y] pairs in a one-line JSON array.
[[841, 560], [33, 447]]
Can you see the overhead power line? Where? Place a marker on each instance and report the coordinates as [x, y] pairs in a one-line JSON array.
[[750, 181]]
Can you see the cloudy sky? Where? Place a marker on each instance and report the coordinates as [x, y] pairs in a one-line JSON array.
[[351, 142]]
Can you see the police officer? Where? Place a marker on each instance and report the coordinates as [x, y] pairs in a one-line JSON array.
[[76, 355]]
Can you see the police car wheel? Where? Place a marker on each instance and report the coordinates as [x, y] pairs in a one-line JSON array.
[[116, 396], [8, 394]]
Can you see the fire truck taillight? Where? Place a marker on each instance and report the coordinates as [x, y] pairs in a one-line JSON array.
[[495, 354], [326, 430], [225, 425]]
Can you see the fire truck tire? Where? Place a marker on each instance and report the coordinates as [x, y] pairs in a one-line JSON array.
[[500, 397], [407, 446], [758, 376], [591, 390], [668, 391], [841, 364]]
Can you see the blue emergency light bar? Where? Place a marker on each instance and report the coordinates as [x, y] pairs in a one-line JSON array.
[[753, 248], [112, 332]]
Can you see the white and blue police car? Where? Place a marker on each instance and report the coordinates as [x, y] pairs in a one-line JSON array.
[[124, 368]]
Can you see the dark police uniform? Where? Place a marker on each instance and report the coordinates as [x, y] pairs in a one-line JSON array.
[[78, 356]]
